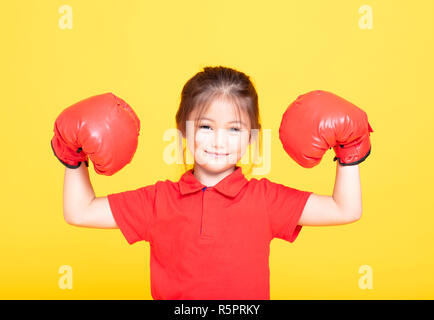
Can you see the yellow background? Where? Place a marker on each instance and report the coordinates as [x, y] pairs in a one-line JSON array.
[[145, 51]]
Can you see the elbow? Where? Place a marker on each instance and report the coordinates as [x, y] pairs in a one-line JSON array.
[[355, 217], [71, 219], [350, 216]]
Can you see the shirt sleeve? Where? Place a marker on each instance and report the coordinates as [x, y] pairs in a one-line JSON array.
[[284, 206], [134, 212]]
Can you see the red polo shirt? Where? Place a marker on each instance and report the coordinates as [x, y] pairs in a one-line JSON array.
[[210, 243]]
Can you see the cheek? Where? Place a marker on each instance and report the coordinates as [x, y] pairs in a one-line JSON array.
[[201, 141], [192, 142], [201, 138], [239, 142]]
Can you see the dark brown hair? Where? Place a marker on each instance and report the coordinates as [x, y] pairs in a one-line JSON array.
[[218, 82]]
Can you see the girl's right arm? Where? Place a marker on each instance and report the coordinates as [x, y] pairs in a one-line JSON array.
[[80, 206]]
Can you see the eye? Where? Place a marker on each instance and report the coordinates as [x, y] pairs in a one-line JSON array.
[[204, 127], [236, 129]]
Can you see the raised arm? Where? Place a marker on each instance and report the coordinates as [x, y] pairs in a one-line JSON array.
[[80, 206], [314, 123], [345, 206], [105, 129]]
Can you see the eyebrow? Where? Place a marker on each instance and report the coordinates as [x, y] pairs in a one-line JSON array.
[[204, 118]]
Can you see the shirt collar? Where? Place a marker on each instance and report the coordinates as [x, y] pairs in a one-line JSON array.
[[229, 185]]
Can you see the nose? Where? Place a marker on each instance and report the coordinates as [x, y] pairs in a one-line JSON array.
[[220, 139]]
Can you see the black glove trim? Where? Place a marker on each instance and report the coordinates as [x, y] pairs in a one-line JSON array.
[[66, 164], [353, 163]]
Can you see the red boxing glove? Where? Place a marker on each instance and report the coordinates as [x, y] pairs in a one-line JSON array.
[[102, 127], [319, 120]]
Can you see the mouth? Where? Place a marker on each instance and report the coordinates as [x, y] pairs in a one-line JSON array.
[[217, 154]]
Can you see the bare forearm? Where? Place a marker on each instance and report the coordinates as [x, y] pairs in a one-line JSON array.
[[347, 190], [77, 192]]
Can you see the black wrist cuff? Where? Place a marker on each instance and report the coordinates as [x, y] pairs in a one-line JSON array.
[[355, 162], [66, 164]]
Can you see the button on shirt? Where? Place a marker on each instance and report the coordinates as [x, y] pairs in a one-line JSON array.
[[209, 242]]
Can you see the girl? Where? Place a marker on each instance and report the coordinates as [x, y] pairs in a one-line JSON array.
[[210, 232]]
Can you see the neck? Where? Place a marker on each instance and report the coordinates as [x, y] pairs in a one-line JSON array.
[[209, 178]]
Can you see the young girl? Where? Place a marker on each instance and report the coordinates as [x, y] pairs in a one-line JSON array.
[[210, 232]]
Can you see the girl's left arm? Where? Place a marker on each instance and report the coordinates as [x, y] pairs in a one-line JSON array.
[[344, 206]]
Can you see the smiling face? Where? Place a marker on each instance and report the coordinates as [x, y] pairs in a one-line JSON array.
[[221, 138]]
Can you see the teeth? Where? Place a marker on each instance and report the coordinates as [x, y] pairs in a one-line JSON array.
[[216, 154]]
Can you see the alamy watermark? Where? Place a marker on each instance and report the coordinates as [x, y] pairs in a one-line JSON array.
[[65, 280]]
